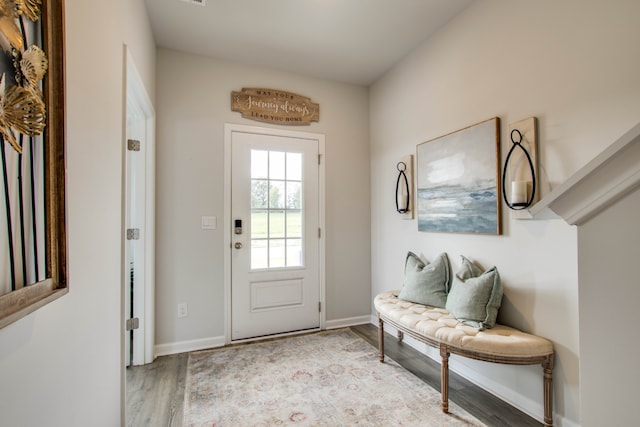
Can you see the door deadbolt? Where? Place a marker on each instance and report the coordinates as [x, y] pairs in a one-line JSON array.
[[238, 245]]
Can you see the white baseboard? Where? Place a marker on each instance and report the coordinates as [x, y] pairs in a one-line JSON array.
[[345, 323], [564, 422], [374, 320], [187, 346], [205, 343]]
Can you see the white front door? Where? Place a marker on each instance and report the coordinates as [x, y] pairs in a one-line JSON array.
[[275, 234]]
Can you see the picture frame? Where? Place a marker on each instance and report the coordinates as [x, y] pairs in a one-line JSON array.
[[45, 281], [458, 181]]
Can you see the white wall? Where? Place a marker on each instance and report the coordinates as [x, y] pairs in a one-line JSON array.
[[62, 365], [609, 295], [194, 102], [572, 64]]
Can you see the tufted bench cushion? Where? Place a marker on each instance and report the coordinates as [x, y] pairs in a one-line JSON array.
[[440, 325], [437, 328]]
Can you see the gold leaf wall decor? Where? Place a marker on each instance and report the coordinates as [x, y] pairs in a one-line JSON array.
[[29, 8], [23, 110], [33, 65], [21, 107], [10, 34]]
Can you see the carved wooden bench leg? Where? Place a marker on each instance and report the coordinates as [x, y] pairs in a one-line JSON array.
[[444, 378], [381, 338], [547, 367], [400, 336]]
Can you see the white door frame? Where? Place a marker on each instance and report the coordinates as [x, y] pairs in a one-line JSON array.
[[229, 128], [136, 93]]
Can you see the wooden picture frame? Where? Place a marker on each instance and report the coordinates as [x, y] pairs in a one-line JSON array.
[[31, 296], [458, 178]]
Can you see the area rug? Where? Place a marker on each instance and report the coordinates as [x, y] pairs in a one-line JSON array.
[[331, 378]]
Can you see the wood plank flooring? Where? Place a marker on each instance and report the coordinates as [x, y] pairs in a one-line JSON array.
[[155, 392]]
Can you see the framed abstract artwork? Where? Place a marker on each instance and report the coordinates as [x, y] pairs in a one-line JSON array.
[[459, 181]]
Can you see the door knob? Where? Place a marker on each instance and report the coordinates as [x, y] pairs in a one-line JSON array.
[[238, 245]]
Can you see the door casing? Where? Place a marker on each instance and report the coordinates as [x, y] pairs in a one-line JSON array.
[[229, 128], [136, 93]]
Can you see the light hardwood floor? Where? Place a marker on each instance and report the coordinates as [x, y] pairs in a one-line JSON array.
[[155, 392]]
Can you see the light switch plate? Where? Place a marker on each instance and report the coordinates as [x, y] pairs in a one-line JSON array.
[[209, 222]]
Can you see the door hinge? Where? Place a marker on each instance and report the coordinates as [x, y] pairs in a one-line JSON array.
[[319, 306], [319, 233], [319, 158], [133, 234], [133, 145], [133, 324]]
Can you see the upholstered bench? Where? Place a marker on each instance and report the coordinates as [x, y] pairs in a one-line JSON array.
[[439, 329]]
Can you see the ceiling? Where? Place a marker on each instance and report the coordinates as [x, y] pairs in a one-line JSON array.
[[351, 41]]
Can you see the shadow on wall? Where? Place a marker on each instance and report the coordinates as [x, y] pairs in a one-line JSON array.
[[517, 306], [566, 363], [517, 310]]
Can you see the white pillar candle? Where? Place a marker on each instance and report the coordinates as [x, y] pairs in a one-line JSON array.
[[519, 192], [402, 200]]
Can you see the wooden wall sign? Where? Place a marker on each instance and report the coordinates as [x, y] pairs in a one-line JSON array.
[[275, 106]]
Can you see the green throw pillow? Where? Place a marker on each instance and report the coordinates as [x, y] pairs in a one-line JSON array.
[[426, 284], [475, 296]]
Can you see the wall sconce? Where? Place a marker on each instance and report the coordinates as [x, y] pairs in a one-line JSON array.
[[404, 187], [520, 166]]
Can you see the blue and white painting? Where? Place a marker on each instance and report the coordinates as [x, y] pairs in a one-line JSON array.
[[458, 181]]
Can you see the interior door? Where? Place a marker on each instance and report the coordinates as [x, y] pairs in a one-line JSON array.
[[275, 242]]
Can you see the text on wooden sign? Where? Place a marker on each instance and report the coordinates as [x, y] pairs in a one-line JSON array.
[[275, 106]]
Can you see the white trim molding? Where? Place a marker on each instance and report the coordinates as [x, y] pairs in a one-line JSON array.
[[607, 178], [190, 345], [346, 322], [136, 94]]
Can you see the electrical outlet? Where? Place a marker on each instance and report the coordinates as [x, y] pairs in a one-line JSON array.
[[183, 310]]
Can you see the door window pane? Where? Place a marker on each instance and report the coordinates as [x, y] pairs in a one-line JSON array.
[[276, 165], [276, 224], [276, 194], [294, 166], [259, 164], [259, 254], [259, 224], [294, 224], [277, 253], [294, 195], [294, 252], [259, 193]]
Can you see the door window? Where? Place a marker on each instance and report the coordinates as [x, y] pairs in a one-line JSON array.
[[276, 210]]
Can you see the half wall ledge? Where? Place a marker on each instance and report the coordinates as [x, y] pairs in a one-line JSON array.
[[610, 176]]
